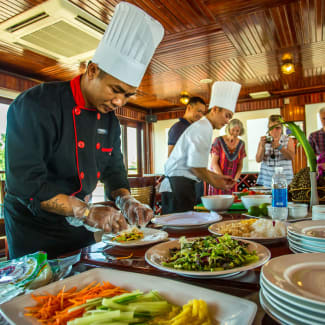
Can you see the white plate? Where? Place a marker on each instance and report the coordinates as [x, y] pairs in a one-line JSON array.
[[298, 302], [278, 316], [257, 188], [150, 236], [297, 314], [305, 242], [306, 245], [187, 219], [281, 301], [214, 230], [309, 229], [224, 309], [160, 252], [299, 275], [300, 249]]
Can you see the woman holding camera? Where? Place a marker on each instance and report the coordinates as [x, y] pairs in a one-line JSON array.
[[275, 150]]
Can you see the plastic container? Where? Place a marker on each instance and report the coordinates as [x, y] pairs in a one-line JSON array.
[[318, 212], [297, 210], [279, 195]]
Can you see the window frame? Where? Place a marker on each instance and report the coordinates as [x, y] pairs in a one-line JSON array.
[[141, 152]]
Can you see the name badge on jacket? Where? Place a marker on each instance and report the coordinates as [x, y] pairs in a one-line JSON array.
[[102, 131]]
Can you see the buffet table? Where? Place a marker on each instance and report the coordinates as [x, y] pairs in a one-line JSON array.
[[245, 285]]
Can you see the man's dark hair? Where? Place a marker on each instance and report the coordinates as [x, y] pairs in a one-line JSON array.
[[195, 100]]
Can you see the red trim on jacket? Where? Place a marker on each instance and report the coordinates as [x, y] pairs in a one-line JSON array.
[[107, 149], [77, 159], [80, 104], [76, 91]]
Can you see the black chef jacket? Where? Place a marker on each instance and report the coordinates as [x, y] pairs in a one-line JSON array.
[[54, 144]]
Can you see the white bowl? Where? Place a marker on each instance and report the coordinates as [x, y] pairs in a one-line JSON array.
[[255, 200], [297, 210], [217, 202]]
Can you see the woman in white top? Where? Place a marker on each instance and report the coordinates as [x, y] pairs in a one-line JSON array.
[[275, 150]]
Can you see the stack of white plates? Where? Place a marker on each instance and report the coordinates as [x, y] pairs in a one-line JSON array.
[[293, 290], [307, 236]]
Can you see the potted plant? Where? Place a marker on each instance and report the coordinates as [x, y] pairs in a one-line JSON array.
[[311, 158]]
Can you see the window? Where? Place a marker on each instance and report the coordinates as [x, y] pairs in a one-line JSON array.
[[3, 125], [132, 146], [132, 151], [255, 129]]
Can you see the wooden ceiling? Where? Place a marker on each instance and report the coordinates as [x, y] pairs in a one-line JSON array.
[[235, 40]]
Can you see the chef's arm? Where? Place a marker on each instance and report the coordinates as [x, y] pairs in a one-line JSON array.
[[120, 192], [170, 149], [61, 204], [215, 164], [217, 181]]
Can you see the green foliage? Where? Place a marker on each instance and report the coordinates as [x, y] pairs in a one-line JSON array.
[[302, 139]]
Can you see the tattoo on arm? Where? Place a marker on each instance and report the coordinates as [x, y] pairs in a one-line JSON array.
[[58, 205]]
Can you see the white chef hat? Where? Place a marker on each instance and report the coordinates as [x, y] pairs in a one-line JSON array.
[[224, 94], [128, 44]]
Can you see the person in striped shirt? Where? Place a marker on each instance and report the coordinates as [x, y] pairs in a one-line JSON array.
[[317, 138], [275, 150]]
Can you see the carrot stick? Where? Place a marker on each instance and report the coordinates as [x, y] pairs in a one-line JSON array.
[[54, 309]]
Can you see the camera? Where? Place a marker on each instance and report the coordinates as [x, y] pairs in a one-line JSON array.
[[269, 139]]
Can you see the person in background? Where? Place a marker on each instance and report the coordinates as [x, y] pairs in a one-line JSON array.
[[188, 162], [317, 138], [63, 137], [275, 150], [227, 153], [195, 109]]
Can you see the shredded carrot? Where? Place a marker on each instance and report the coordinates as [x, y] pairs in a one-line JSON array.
[[124, 257], [54, 309]]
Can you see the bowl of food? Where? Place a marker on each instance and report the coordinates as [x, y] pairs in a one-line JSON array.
[[217, 202], [255, 200]]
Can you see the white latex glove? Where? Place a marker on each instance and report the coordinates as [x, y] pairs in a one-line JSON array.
[[102, 217], [134, 211]]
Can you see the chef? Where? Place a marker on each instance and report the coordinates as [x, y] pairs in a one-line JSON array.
[[188, 162], [63, 137]]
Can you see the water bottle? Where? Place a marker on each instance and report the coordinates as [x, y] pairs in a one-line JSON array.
[[279, 195]]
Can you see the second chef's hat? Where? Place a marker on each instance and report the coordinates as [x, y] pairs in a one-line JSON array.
[[128, 44], [225, 94]]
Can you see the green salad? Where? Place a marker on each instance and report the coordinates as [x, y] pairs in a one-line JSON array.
[[211, 253]]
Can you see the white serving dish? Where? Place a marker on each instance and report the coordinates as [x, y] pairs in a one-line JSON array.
[[150, 236], [187, 219], [224, 309], [157, 254], [255, 200], [297, 210], [217, 202], [264, 240], [299, 276]]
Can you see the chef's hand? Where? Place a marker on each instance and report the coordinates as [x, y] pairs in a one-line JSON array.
[[134, 211], [102, 217], [224, 182]]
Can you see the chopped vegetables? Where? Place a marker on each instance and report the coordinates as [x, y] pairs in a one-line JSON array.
[[210, 253], [74, 308], [67, 305], [128, 235], [194, 313]]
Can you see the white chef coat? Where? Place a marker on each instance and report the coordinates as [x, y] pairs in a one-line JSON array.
[[191, 150]]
